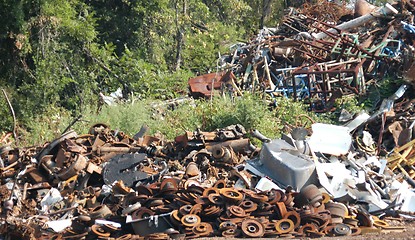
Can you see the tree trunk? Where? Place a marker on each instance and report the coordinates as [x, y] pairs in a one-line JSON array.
[[266, 10]]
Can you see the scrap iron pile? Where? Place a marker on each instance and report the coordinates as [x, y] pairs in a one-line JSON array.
[[326, 180], [108, 185], [318, 53]]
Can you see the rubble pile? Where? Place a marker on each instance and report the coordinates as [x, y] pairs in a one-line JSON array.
[[105, 184], [329, 180], [318, 53]]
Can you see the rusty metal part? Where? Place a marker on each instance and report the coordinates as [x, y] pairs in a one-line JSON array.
[[282, 209], [351, 221], [101, 211], [236, 211], [204, 85], [294, 216], [309, 227], [355, 231], [252, 228], [190, 220], [227, 225], [337, 209], [216, 199], [249, 206], [168, 186], [309, 195], [326, 198], [380, 223], [175, 218], [208, 191], [342, 230], [232, 195], [231, 233], [220, 184], [203, 229], [99, 231], [192, 170], [142, 213], [284, 226]]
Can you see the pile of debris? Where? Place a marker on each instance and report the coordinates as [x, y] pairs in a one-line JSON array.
[[105, 184], [325, 181], [319, 53]]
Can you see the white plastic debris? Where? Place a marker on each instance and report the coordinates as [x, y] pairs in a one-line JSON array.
[[59, 225], [52, 197], [265, 185], [106, 222], [330, 139]]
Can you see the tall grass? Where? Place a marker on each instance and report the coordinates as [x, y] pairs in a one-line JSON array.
[[250, 111]]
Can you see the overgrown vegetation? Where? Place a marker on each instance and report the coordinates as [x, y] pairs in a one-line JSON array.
[[250, 111], [62, 54]]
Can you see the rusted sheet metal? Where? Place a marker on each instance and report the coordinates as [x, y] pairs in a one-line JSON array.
[[204, 86]]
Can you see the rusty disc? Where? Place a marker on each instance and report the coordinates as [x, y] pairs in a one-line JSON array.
[[294, 216], [175, 218], [232, 194], [249, 206], [355, 231], [284, 226], [252, 228], [337, 209], [220, 184], [282, 209], [380, 223], [185, 209], [307, 227], [196, 209], [99, 231], [125, 237], [236, 211], [203, 229], [209, 191], [231, 233], [190, 220], [142, 213], [258, 198], [216, 199], [227, 225], [168, 185]]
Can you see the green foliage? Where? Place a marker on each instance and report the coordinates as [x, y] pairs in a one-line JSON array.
[[249, 111], [59, 55], [350, 104], [294, 113]]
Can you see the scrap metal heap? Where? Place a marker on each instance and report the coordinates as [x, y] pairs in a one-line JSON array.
[[107, 185], [318, 53], [324, 181]]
